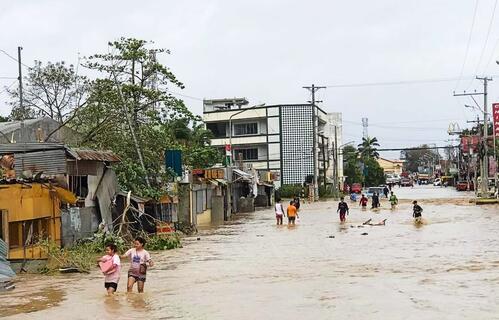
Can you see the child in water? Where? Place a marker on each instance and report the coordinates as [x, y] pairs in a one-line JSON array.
[[393, 200], [292, 213], [363, 202], [140, 260], [279, 212], [416, 212], [111, 266]]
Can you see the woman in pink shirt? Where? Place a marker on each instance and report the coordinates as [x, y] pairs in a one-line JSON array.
[[111, 266], [140, 260]]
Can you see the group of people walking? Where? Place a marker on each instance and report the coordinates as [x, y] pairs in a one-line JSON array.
[[376, 201], [291, 211]]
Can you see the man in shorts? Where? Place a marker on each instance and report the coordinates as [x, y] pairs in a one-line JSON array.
[[342, 209], [292, 213]]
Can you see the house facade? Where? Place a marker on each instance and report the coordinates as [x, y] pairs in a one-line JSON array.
[[293, 143], [391, 166]]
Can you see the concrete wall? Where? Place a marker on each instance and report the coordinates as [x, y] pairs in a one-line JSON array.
[[217, 209], [204, 218], [184, 204]]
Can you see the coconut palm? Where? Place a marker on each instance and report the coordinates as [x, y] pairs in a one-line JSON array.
[[367, 149]]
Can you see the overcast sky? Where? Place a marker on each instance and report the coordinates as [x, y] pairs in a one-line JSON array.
[[267, 50]]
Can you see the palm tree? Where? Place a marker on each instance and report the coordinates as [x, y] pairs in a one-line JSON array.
[[367, 149]]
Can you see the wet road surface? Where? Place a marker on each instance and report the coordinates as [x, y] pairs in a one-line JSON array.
[[251, 269]]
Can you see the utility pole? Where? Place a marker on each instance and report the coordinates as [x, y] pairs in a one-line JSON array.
[[313, 89], [21, 104], [484, 170], [365, 125], [485, 173]]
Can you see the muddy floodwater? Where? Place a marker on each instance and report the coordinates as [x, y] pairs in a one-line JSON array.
[[251, 269]]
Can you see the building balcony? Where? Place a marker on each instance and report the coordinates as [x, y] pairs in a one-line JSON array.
[[240, 140]]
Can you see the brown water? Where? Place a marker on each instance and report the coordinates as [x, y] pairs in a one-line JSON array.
[[252, 269]]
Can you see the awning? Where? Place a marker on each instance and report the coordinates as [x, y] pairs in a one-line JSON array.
[[242, 175], [218, 182]]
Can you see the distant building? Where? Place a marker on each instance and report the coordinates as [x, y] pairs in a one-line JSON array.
[[283, 140], [391, 166]]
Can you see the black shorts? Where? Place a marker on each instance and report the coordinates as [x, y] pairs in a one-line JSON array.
[[141, 278], [113, 285], [291, 219]]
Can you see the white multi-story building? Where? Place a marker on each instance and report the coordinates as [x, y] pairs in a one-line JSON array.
[[281, 139]]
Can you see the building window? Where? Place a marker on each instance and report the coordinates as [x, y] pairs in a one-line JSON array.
[[247, 154], [242, 129], [167, 211], [79, 185], [218, 129]]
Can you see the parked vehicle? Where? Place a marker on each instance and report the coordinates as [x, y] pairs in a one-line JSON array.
[[437, 182], [462, 186], [356, 188], [406, 182], [369, 193]]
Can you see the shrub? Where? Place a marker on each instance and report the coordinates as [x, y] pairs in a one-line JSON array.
[[290, 190]]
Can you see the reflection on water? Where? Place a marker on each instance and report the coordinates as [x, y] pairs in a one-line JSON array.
[[253, 269]]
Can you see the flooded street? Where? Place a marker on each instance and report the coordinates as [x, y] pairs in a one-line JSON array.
[[251, 269]]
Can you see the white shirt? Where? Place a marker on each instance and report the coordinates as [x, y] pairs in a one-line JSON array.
[[279, 209]]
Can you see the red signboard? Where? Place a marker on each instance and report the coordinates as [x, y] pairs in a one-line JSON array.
[[470, 143], [495, 118]]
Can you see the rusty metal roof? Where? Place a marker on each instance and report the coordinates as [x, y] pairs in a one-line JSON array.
[[93, 155]]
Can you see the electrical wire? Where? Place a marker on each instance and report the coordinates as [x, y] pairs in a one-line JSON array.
[[467, 45], [7, 87], [186, 96], [393, 83], [486, 37], [11, 57]]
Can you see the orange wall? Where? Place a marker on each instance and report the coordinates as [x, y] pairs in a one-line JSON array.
[[28, 202]]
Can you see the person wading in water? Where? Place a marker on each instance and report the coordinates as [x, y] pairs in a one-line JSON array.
[[342, 209]]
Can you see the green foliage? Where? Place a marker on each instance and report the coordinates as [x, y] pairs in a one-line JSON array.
[[53, 90], [290, 190], [367, 149], [375, 174], [416, 158], [351, 167], [83, 255], [133, 94], [163, 242], [327, 192]]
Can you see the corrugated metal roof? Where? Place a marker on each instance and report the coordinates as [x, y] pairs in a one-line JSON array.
[[87, 154], [8, 148], [51, 162]]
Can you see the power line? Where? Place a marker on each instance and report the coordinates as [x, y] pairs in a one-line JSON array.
[[487, 37], [8, 87], [7, 78], [186, 96], [393, 83], [11, 57], [467, 45]]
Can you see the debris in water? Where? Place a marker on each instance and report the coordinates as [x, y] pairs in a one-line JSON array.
[[198, 239], [259, 235], [331, 237], [364, 234]]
